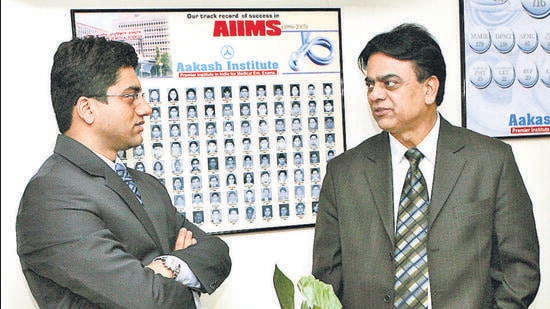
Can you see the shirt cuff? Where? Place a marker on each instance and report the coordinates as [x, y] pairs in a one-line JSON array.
[[185, 275]]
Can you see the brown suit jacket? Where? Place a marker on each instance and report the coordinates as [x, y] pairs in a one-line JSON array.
[[482, 244]]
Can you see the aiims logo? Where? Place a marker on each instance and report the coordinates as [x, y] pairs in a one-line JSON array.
[[270, 27]]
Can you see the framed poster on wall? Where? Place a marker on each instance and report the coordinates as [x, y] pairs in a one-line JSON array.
[[506, 67], [247, 108]]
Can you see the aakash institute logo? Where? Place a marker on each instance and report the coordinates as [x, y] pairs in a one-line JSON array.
[[227, 52]]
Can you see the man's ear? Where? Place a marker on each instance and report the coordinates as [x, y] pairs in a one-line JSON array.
[[84, 109], [431, 86]]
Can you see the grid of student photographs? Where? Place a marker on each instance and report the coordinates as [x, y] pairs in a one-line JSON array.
[[242, 157]]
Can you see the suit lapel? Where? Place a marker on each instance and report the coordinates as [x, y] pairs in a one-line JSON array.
[[84, 158], [448, 167], [113, 181], [378, 164]]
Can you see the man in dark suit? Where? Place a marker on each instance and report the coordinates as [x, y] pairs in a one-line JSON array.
[[84, 238], [482, 249]]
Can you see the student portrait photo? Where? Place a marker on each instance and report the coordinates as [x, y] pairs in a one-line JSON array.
[[191, 112], [280, 125], [158, 150], [210, 111], [250, 213], [283, 211], [233, 215], [278, 91], [247, 162], [175, 149], [154, 95], [328, 106], [329, 123], [177, 183], [245, 109], [198, 216], [245, 127], [228, 127], [174, 113], [230, 163], [155, 113], [282, 176], [194, 148], [262, 109], [232, 197], [314, 157], [327, 89], [260, 92], [248, 178], [279, 109], [294, 90], [196, 183], [264, 143], [177, 167], [295, 108], [211, 129], [208, 94], [156, 131], [195, 165], [139, 166], [281, 143], [191, 94], [312, 107], [231, 180], [311, 90], [197, 200], [175, 131], [213, 181], [227, 110], [227, 93], [244, 93], [300, 209], [267, 212], [247, 144], [173, 95], [216, 216], [215, 198], [213, 164], [158, 168], [138, 152], [249, 196], [193, 129]]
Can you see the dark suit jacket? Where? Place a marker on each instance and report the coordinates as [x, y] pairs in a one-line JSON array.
[[482, 243], [83, 238]]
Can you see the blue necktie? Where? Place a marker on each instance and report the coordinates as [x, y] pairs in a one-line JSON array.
[[411, 257], [123, 173]]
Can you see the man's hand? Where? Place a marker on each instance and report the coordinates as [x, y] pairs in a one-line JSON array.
[[159, 268], [185, 239]]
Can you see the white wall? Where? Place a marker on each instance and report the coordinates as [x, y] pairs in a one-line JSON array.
[[31, 31]]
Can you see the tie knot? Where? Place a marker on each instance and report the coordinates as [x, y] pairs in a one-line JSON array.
[[120, 169], [414, 155]]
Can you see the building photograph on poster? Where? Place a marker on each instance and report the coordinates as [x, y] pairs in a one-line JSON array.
[[247, 108]]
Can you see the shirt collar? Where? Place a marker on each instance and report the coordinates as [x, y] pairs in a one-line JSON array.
[[110, 163], [428, 146]]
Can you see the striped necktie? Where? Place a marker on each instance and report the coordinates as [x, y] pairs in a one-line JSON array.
[[411, 257], [123, 173]]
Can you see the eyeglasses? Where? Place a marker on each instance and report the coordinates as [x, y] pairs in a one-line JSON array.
[[130, 97]]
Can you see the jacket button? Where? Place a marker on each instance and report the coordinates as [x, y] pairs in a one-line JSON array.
[[387, 298]]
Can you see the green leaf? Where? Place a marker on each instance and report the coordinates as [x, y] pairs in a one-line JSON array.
[[284, 289], [318, 294]]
